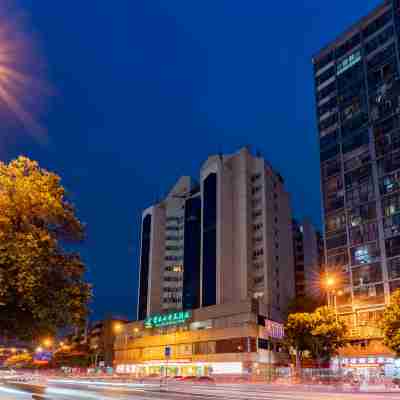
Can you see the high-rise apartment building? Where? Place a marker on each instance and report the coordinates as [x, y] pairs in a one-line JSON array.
[[308, 254], [225, 240], [357, 91]]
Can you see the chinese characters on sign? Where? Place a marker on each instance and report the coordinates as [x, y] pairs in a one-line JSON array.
[[175, 318]]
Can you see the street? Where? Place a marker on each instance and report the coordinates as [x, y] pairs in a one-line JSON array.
[[85, 390]]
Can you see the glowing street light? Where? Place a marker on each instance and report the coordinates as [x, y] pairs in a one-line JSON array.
[[330, 281], [47, 343], [39, 349], [117, 327]]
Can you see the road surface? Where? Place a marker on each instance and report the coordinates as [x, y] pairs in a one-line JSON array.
[[85, 390]]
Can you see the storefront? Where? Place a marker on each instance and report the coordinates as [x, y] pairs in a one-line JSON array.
[[368, 367], [218, 340]]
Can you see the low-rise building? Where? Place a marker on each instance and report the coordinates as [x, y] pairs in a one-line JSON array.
[[221, 339]]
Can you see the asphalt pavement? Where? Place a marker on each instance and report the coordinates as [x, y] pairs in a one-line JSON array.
[[100, 390]]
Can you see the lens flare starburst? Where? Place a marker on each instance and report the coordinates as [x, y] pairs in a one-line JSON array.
[[22, 87]]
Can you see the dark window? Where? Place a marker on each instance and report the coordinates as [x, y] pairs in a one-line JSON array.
[[336, 241], [392, 246], [191, 272], [394, 268], [367, 274], [236, 345], [377, 24], [355, 141], [144, 267], [209, 278]]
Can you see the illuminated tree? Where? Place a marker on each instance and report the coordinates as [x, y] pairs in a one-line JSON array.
[[391, 323], [41, 283], [19, 360], [327, 334]]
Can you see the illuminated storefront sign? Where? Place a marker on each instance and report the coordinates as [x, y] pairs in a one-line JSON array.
[[348, 62], [175, 318], [273, 330]]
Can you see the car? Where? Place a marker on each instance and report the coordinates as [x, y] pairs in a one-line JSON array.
[[189, 378], [205, 379]]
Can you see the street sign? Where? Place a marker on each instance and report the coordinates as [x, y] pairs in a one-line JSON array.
[[167, 352]]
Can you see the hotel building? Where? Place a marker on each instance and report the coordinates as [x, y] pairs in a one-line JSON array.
[[224, 240], [216, 273], [357, 92]]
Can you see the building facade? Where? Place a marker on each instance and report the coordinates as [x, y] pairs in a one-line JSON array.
[[357, 96], [226, 339], [308, 251], [225, 240]]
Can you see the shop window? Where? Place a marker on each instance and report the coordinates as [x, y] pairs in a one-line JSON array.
[[365, 254]]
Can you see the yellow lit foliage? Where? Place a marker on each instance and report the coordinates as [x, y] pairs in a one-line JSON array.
[[41, 284]]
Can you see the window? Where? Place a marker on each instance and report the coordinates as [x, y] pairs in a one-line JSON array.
[[392, 246], [357, 161], [359, 215], [394, 268], [359, 176], [325, 76], [379, 40], [360, 194], [336, 241], [389, 163], [367, 274], [377, 24], [339, 259], [365, 254], [258, 280], [391, 205], [354, 141], [331, 167], [369, 294], [255, 177], [255, 189], [390, 183], [392, 226], [324, 61], [364, 233]]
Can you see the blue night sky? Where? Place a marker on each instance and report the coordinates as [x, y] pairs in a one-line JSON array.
[[145, 90]]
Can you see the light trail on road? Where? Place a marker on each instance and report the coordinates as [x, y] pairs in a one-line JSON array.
[[69, 389]]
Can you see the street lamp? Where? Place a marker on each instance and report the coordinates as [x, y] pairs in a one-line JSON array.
[[39, 349], [47, 343], [117, 327]]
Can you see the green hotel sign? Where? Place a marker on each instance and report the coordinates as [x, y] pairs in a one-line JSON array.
[[175, 318]]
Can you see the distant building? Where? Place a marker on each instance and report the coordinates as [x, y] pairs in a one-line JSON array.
[[308, 253], [225, 240], [100, 339]]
